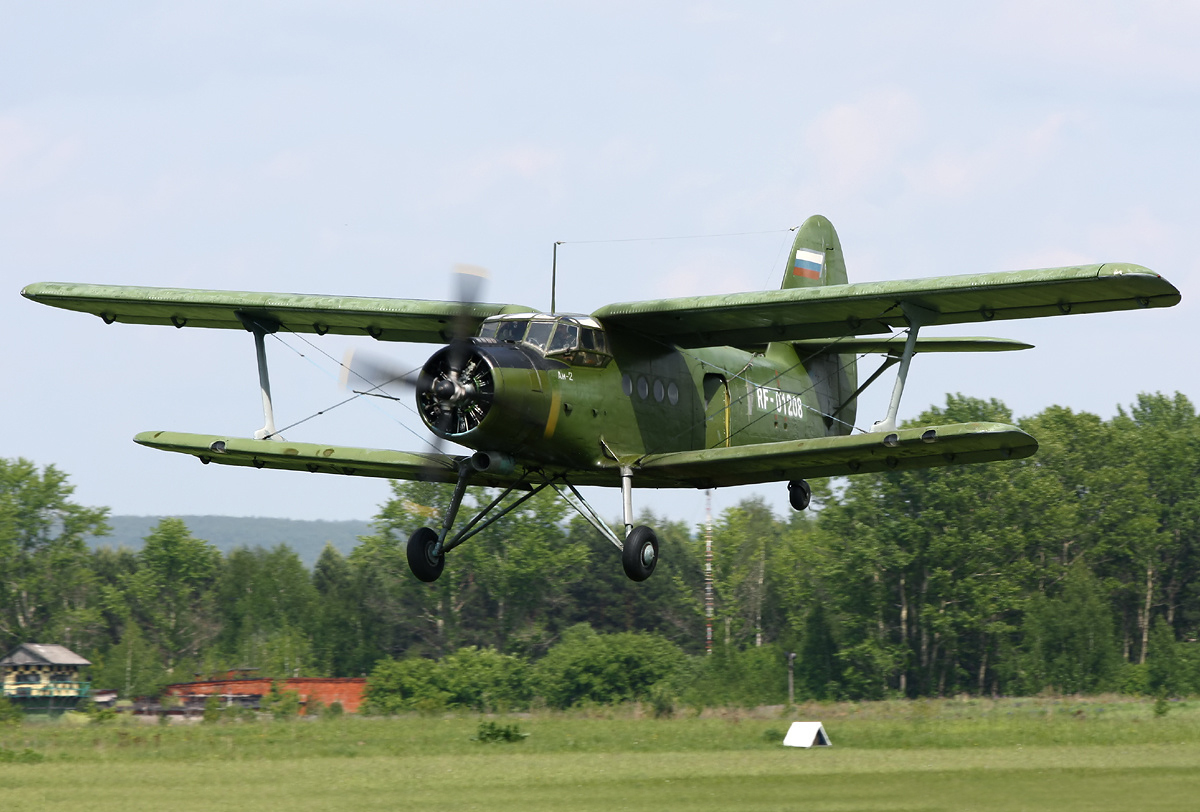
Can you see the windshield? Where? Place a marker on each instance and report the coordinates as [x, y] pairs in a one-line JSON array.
[[565, 338]]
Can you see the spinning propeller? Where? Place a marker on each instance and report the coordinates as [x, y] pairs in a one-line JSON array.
[[454, 389]]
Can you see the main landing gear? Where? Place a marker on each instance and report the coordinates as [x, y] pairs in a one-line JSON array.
[[799, 494], [427, 548]]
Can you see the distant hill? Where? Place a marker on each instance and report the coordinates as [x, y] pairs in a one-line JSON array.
[[307, 538]]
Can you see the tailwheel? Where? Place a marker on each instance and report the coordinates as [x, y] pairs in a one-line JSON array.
[[799, 494], [640, 554], [421, 558]]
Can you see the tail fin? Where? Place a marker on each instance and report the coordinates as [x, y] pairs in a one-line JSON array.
[[815, 260], [816, 256]]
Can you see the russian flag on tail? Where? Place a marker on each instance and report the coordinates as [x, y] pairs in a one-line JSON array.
[[809, 264]]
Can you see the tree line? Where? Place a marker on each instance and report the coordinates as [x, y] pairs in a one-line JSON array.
[[1076, 570]]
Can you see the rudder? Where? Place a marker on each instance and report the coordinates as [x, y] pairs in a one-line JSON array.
[[816, 256], [815, 261]]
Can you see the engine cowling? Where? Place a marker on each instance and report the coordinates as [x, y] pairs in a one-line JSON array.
[[484, 395]]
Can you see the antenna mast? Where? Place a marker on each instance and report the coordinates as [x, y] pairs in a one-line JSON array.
[[554, 276]]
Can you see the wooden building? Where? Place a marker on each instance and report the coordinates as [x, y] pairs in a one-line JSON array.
[[40, 677]]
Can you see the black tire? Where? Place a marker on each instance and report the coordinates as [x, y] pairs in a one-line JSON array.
[[421, 560], [640, 555], [799, 494]]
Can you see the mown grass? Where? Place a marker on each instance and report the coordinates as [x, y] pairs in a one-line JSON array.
[[1061, 754]]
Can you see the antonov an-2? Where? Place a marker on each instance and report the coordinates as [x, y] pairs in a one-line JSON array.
[[696, 392]]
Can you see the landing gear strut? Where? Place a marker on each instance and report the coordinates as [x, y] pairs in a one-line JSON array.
[[427, 548]]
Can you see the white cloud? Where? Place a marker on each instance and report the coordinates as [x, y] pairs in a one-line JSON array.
[[704, 275], [1154, 39], [1008, 157], [29, 160], [470, 179], [854, 146]]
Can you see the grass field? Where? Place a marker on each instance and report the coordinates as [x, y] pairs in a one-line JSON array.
[[947, 755]]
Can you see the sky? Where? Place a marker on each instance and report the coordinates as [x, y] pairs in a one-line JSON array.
[[365, 148]]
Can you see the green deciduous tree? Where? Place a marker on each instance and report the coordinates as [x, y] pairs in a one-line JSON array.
[[47, 589], [1068, 640], [170, 595]]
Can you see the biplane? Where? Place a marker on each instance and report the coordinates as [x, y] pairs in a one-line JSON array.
[[697, 392]]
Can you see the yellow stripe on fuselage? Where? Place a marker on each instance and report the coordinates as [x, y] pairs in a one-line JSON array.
[[552, 420]]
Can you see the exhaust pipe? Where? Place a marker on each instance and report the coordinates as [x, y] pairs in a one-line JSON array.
[[492, 463]]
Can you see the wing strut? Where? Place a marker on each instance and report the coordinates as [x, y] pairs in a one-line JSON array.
[[260, 327], [916, 316], [267, 432]]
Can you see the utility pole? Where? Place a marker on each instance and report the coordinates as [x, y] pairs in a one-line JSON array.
[[791, 658], [708, 576]]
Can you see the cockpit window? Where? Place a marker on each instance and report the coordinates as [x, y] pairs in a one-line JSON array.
[[566, 336], [513, 330], [539, 333]]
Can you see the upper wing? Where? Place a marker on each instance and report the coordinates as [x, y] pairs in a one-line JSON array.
[[416, 320], [739, 319], [923, 447]]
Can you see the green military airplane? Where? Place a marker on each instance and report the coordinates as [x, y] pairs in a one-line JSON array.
[[696, 392]]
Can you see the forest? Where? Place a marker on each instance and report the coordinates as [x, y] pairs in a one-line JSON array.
[[1074, 571]]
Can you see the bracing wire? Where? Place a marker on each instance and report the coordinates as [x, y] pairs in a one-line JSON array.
[[679, 237], [353, 397]]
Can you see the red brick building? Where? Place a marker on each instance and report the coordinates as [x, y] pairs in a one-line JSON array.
[[248, 692]]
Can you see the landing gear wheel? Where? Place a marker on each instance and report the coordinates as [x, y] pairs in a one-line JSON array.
[[799, 494], [640, 554], [421, 560]]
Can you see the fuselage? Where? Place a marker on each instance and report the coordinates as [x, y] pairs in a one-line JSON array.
[[587, 398]]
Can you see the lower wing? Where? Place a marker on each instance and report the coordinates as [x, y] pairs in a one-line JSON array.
[[322, 459], [923, 447]]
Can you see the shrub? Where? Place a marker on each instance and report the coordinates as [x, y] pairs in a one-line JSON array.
[[101, 716], [483, 680], [281, 704], [756, 676], [400, 685], [603, 669], [212, 710], [491, 732], [475, 678], [10, 714], [333, 710]]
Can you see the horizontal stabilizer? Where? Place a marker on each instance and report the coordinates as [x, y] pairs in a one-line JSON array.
[[894, 345], [319, 459], [922, 447]]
